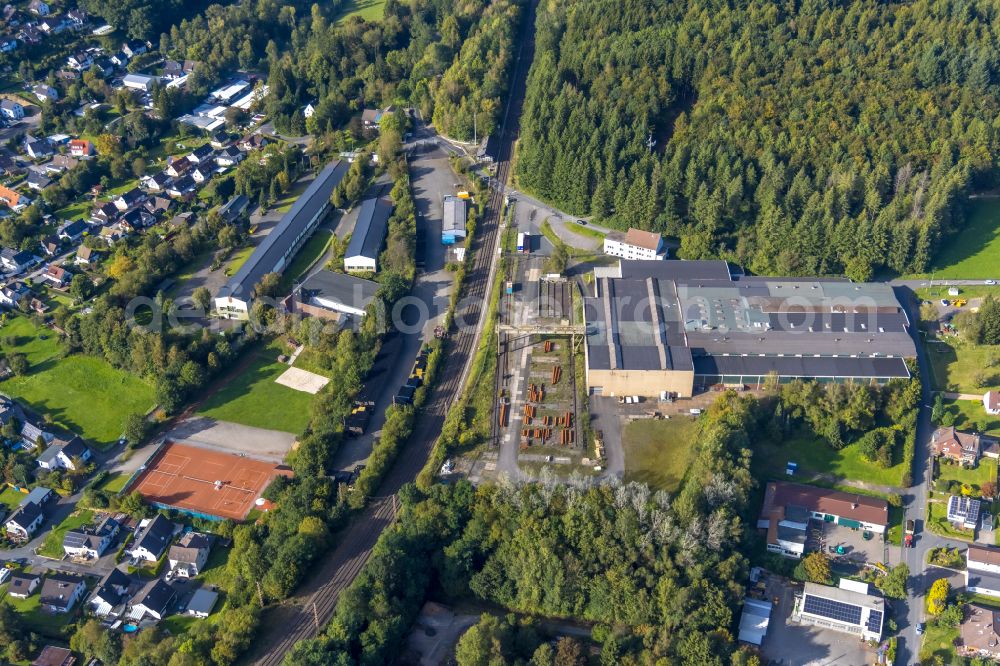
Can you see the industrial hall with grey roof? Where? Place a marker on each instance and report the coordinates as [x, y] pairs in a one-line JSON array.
[[675, 326]]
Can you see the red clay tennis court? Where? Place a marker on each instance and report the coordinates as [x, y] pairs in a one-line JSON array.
[[204, 482]]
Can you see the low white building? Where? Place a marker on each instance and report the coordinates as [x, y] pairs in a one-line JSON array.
[[982, 570], [152, 539], [90, 541], [143, 82], [842, 610], [65, 455], [11, 110], [991, 402], [963, 511], [635, 244]]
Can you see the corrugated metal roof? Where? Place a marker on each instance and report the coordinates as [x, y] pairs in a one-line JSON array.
[[370, 230], [266, 258]]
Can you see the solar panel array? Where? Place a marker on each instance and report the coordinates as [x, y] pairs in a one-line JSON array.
[[875, 621], [834, 610]]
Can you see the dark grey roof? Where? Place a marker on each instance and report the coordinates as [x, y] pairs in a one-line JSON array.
[[75, 448], [57, 589], [339, 287], [203, 601], [284, 235], [75, 228], [155, 595], [369, 232], [804, 366], [234, 207], [156, 536], [675, 269], [984, 579], [26, 514], [791, 534]]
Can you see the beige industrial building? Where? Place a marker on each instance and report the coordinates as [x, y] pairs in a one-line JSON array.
[[684, 326]]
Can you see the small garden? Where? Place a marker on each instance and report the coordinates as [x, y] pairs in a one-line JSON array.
[[949, 558]]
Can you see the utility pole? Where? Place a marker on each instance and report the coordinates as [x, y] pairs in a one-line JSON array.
[[650, 141], [315, 616], [475, 128], [260, 594]]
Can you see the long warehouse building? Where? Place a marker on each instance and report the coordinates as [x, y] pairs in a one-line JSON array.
[[275, 252], [680, 326]]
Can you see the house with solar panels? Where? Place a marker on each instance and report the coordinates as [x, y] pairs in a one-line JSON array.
[[844, 610], [963, 511]]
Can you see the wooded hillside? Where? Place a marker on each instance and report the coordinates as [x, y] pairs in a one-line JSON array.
[[817, 137]]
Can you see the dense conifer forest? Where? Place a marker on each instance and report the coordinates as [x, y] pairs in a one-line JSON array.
[[793, 137]]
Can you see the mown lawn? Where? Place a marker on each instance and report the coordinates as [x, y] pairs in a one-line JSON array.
[[969, 414], [985, 471], [369, 10], [955, 364], [306, 257], [937, 519], [115, 483], [74, 211], [972, 253], [238, 258], [11, 498], [815, 456], [53, 625], [658, 453], [83, 394], [253, 398], [52, 546], [938, 641]]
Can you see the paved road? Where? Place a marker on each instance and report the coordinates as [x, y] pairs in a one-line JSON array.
[[910, 613], [431, 179]]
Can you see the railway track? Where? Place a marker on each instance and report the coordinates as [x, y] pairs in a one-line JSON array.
[[313, 607]]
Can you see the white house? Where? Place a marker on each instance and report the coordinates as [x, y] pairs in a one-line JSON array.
[[153, 539], [11, 110], [840, 609], [963, 511], [309, 110], [25, 521], [636, 244], [982, 570], [153, 600], [45, 93], [65, 455], [109, 597], [229, 156], [89, 541], [23, 585], [202, 603], [991, 402], [188, 556], [60, 592], [143, 82]]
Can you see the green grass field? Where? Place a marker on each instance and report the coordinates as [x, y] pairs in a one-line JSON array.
[[52, 546], [74, 211], [985, 471], [305, 258], [658, 453], [369, 10], [11, 498], [52, 625], [937, 519], [115, 483], [972, 253], [955, 364], [237, 259], [83, 394], [814, 456], [254, 399], [938, 641], [969, 413], [308, 360]]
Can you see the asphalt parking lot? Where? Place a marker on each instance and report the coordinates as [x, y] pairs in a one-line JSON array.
[[788, 644]]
